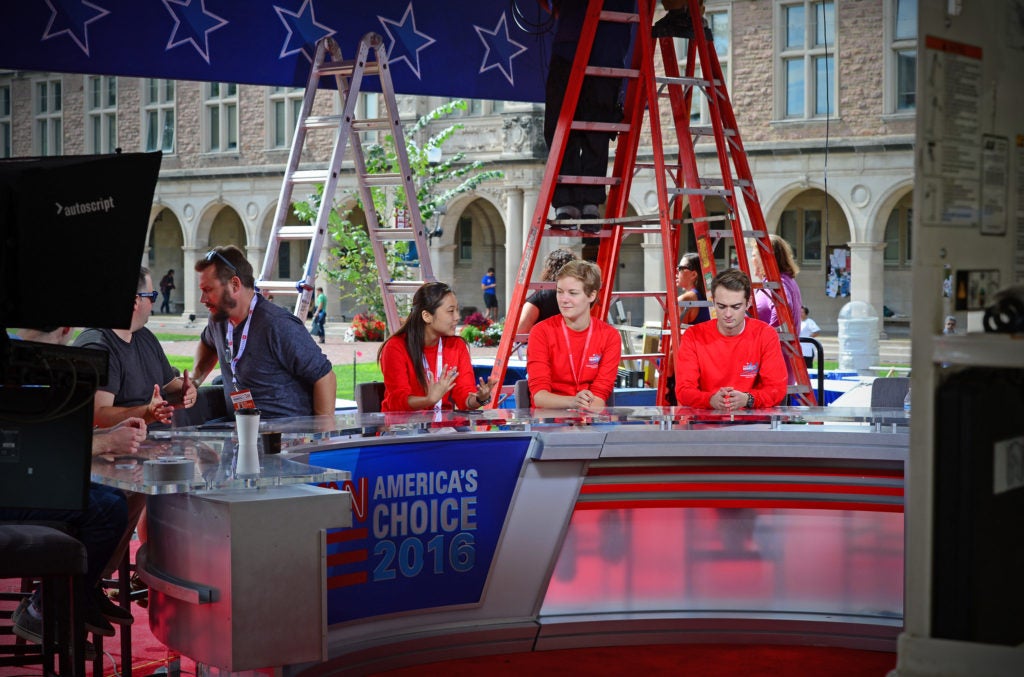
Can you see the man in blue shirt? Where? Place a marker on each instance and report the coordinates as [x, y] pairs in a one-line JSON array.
[[490, 287]]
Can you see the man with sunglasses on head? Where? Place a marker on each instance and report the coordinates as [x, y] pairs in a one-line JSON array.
[[268, 359], [141, 381]]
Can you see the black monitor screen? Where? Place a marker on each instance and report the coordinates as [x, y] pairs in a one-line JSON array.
[[73, 231], [45, 446]]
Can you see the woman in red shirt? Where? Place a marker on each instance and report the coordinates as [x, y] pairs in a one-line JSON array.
[[425, 365], [573, 358]]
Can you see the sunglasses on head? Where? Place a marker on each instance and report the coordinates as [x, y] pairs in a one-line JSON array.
[[214, 254], [151, 295]]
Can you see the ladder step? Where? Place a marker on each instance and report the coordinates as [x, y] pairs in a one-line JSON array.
[[590, 180], [382, 179], [609, 72], [707, 192], [323, 121], [638, 294], [686, 82], [641, 356], [371, 124], [394, 233], [403, 286], [609, 127], [309, 176], [620, 17], [715, 181], [744, 233], [296, 232], [347, 67], [708, 130], [279, 286]]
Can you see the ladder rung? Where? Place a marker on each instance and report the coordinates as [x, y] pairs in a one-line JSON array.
[[609, 72], [347, 67], [639, 294], [641, 356], [609, 127], [279, 286], [743, 233], [708, 192], [716, 181], [403, 286], [620, 17], [693, 82], [371, 124], [394, 233], [708, 130], [590, 180], [383, 179], [323, 121], [296, 232], [309, 176], [707, 219]]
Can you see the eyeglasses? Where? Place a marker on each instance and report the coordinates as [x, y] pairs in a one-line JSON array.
[[680, 269], [151, 295], [214, 254]]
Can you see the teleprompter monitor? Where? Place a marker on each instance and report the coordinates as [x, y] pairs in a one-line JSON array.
[[73, 230]]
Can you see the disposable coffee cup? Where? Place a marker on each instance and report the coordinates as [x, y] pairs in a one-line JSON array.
[[247, 425]]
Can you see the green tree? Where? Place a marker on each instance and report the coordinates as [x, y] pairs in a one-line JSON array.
[[436, 185]]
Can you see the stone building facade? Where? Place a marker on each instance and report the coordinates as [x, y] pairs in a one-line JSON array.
[[823, 94]]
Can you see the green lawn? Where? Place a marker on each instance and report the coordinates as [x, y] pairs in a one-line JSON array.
[[364, 372]]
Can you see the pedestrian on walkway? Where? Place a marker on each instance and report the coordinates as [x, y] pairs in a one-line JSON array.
[[166, 286], [320, 316]]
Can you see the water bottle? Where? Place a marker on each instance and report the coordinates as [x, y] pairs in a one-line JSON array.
[[906, 402]]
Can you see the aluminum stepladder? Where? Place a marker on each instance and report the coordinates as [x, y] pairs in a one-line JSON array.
[[348, 76], [673, 182]]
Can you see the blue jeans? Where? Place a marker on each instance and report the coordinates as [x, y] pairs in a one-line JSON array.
[[99, 527]]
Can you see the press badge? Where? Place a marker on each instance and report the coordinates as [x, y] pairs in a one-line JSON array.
[[242, 399]]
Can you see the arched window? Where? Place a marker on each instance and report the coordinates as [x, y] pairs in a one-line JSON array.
[[898, 233]]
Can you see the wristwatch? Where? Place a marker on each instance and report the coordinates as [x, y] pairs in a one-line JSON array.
[[750, 401]]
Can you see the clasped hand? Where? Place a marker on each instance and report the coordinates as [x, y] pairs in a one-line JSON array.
[[728, 399]]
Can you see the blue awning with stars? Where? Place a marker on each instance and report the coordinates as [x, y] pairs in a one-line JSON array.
[[486, 49]]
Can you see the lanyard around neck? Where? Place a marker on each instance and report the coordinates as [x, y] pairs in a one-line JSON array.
[[439, 367], [577, 373], [229, 340]]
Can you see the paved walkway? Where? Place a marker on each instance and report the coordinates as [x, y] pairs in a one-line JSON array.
[[891, 351]]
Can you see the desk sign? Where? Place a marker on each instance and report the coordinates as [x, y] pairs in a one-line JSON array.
[[427, 517]]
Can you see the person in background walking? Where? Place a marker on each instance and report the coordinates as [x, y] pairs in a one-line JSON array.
[[320, 316], [490, 287], [166, 286]]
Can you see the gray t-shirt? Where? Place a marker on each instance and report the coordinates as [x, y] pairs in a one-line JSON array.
[[134, 367], [280, 364]]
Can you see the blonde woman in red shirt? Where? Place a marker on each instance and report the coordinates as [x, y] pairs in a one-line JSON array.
[[425, 364], [574, 357]]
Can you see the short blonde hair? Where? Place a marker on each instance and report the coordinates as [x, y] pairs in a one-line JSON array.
[[584, 271]]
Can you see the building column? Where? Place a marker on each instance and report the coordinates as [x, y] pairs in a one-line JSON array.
[[867, 276], [190, 281], [513, 239]]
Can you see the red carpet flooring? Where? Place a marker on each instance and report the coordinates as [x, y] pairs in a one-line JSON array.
[[698, 660]]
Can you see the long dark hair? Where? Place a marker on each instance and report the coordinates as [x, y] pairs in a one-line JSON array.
[[428, 298], [692, 261]]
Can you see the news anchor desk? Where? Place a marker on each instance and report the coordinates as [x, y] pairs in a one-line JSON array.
[[510, 530]]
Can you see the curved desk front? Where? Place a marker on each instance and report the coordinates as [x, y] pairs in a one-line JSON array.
[[514, 531]]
